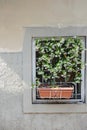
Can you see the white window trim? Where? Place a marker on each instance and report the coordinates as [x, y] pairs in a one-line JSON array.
[[31, 32]]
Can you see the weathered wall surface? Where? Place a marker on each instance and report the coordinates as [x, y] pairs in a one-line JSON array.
[[11, 103], [14, 16]]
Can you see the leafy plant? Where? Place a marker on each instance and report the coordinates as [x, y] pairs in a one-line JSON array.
[[59, 60]]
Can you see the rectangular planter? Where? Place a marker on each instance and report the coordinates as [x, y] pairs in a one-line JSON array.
[[65, 92]]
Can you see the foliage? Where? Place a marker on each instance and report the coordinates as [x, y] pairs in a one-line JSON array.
[[59, 59]]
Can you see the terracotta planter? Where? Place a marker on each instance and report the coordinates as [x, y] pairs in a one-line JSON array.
[[65, 92]]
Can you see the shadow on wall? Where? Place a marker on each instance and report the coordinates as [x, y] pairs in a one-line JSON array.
[[11, 71]]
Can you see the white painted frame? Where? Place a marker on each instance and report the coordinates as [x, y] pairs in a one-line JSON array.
[[31, 32]]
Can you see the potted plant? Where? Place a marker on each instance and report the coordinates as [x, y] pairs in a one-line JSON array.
[[58, 66]]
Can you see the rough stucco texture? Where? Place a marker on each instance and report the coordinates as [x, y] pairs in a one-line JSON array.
[[17, 14], [11, 103]]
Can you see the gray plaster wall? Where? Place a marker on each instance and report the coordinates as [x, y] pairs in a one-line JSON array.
[[14, 15], [11, 102]]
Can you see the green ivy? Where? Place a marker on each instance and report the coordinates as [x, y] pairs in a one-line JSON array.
[[59, 59]]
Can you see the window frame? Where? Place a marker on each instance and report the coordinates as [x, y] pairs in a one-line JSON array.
[[30, 33], [57, 101]]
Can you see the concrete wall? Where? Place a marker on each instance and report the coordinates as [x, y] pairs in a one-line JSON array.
[[11, 103], [14, 15]]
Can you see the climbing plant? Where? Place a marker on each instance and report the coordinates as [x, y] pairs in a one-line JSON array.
[[58, 59]]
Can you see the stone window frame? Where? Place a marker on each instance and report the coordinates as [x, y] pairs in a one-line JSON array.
[[28, 106]]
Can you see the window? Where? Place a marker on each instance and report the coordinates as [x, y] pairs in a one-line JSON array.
[[31, 102], [58, 70]]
